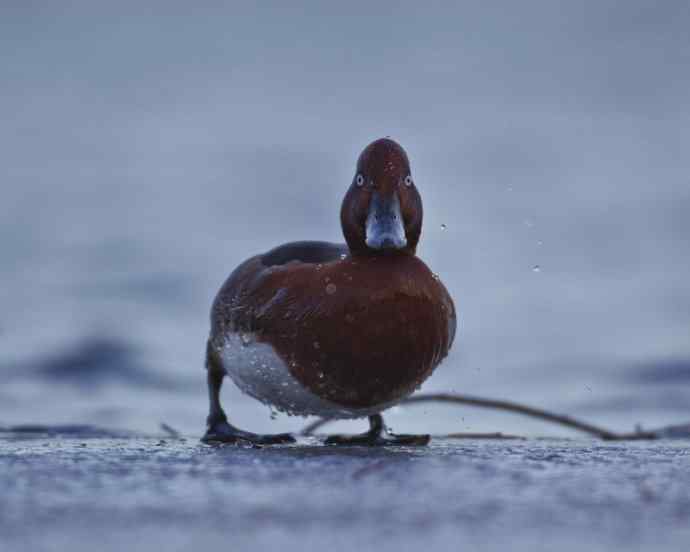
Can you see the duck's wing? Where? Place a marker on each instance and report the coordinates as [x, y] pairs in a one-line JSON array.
[[254, 288], [304, 252]]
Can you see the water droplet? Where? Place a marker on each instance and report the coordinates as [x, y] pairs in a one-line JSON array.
[[331, 289], [319, 266], [321, 375], [246, 339], [536, 268], [443, 227], [343, 256], [436, 276], [284, 384], [316, 345]]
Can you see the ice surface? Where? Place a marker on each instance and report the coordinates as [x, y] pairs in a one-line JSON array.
[[84, 494]]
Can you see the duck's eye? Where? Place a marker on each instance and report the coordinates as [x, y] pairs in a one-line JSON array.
[[408, 181], [359, 181]]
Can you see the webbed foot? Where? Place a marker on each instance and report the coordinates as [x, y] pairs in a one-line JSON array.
[[223, 432], [377, 436]]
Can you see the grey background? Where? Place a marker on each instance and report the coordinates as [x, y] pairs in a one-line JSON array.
[[147, 151]]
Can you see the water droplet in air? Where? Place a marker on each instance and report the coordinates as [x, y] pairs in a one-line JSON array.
[[320, 375], [436, 277], [246, 339], [318, 266], [284, 384], [536, 268], [331, 289], [443, 227], [316, 345], [343, 256]]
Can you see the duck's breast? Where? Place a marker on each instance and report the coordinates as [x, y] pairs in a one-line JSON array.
[[345, 338]]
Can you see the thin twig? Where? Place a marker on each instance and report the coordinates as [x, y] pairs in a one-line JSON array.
[[494, 435], [509, 406], [532, 412], [310, 428], [171, 431]]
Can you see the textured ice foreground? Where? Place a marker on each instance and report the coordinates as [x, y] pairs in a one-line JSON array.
[[145, 494]]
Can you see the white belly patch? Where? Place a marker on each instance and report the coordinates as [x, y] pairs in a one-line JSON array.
[[260, 372]]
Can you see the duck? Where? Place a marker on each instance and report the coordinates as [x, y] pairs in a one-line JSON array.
[[339, 331]]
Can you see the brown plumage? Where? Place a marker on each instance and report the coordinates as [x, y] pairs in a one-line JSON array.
[[357, 331]]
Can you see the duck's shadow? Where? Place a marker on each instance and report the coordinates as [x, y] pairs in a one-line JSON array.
[[314, 448]]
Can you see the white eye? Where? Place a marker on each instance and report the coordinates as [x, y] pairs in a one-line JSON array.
[[408, 181], [359, 180]]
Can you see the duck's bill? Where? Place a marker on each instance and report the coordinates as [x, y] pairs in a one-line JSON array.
[[384, 227]]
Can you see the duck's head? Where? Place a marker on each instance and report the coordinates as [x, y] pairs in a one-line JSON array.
[[382, 209]]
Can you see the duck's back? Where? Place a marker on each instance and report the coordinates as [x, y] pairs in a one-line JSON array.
[[310, 329]]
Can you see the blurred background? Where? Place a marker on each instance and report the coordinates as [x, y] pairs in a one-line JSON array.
[[145, 152]]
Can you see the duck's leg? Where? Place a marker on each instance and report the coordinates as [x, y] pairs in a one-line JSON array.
[[218, 429], [378, 435]]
